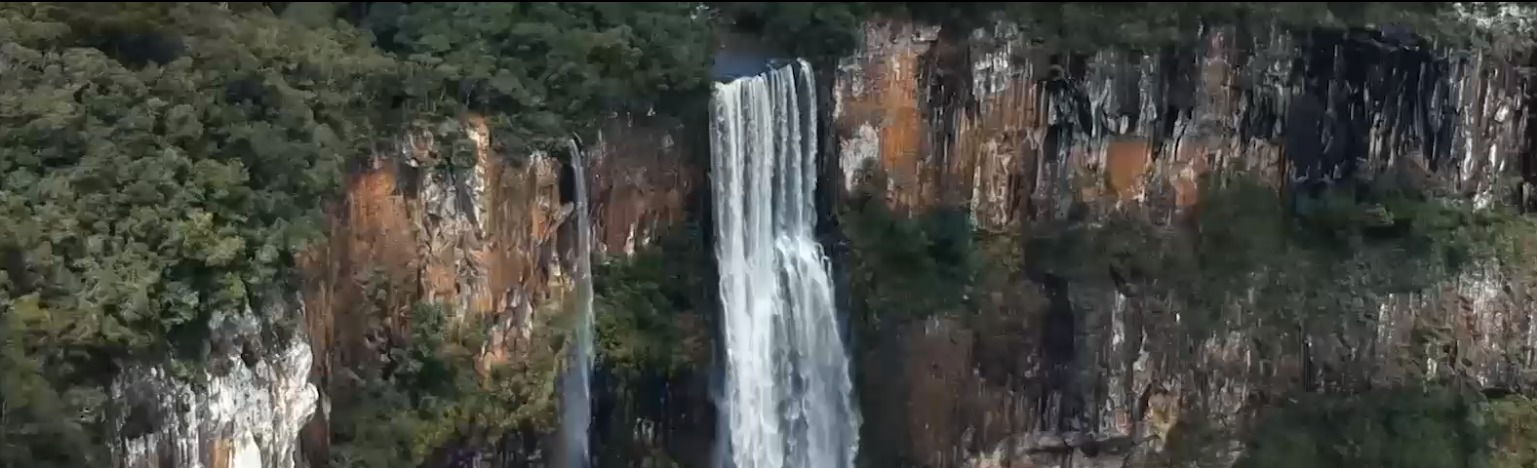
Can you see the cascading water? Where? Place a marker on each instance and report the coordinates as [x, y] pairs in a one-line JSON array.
[[787, 395], [576, 406]]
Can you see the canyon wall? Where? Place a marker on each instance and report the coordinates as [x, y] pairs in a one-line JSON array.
[[1048, 373], [1099, 372]]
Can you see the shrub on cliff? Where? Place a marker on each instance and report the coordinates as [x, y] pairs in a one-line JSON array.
[[1318, 258], [1398, 428], [652, 309], [430, 388], [654, 340], [903, 269], [1511, 425]]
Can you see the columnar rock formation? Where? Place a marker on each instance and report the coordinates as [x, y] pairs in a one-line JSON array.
[[1020, 137]]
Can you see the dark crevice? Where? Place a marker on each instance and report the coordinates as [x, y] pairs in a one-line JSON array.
[[945, 83], [1059, 406]]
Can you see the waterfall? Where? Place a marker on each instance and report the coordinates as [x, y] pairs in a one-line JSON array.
[[576, 406], [786, 400]]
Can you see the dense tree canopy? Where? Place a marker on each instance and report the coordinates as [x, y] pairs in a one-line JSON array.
[[543, 71], [158, 166]]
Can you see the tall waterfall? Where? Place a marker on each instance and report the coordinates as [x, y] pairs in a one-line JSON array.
[[787, 399], [576, 406]]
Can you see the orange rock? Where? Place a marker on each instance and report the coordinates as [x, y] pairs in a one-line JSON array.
[[1126, 166]]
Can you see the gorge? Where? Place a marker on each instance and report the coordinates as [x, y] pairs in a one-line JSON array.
[[951, 235]]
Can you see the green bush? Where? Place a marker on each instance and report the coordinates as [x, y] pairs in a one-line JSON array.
[[1398, 428], [652, 309], [903, 269], [1511, 423], [431, 388], [1311, 258]]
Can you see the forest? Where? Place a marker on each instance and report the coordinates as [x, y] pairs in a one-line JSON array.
[[162, 165]]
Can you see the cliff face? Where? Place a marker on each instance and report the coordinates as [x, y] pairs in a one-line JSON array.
[[490, 241], [493, 240], [1022, 139], [1050, 371], [244, 411]]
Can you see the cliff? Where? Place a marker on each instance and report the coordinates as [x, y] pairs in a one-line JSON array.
[[1049, 353], [1094, 370], [490, 242]]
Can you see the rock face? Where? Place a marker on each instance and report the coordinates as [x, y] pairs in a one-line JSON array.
[[246, 411], [970, 118], [492, 240], [1020, 137]]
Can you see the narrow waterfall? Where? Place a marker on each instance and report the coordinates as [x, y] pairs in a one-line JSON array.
[[787, 396], [576, 405]]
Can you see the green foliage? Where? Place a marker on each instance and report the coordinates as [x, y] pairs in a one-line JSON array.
[[159, 164], [902, 268], [1317, 257], [541, 71], [433, 387], [1395, 427], [1511, 422], [811, 30], [831, 30], [42, 424], [146, 200], [1398, 428], [651, 309]]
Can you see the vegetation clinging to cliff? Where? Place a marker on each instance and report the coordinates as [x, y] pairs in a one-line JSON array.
[[1402, 427], [1316, 257], [904, 269], [656, 336], [432, 386], [1398, 428], [1279, 270], [652, 309]]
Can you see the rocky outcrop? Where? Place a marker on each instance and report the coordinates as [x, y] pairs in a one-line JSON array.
[[245, 410], [643, 180], [1021, 137], [491, 240]]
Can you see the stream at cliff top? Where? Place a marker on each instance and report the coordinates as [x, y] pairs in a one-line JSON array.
[[576, 406], [787, 398]]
